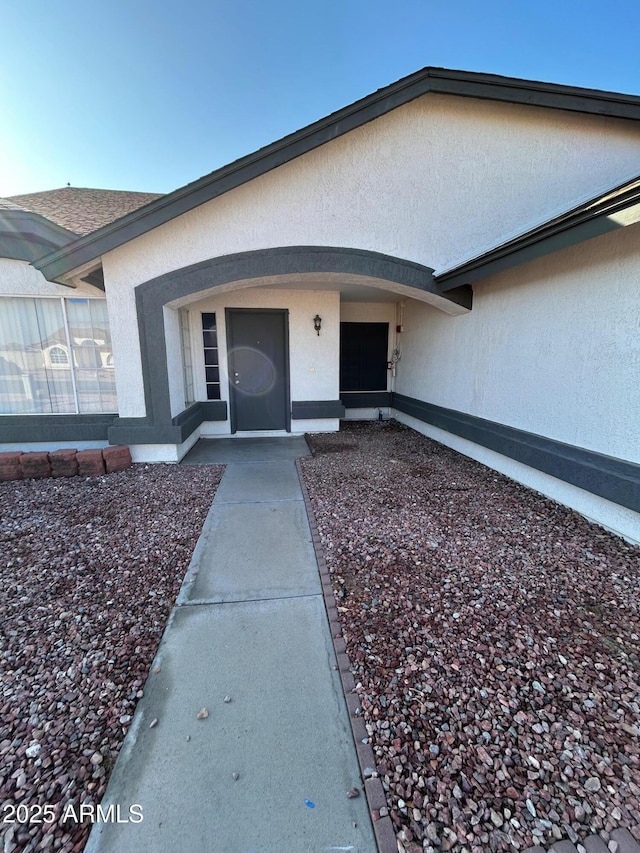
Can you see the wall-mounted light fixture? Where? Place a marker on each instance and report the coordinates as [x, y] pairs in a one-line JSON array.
[[317, 323]]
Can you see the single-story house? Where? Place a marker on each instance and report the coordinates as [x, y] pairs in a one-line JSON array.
[[458, 250]]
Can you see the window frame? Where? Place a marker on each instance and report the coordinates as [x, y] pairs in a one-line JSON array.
[[211, 356], [70, 364]]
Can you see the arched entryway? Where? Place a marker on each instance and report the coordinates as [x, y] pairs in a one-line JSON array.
[[301, 267]]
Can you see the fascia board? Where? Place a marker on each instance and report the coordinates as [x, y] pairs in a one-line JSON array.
[[436, 80]]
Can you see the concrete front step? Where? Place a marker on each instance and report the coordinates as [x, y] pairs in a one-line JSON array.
[[625, 842]]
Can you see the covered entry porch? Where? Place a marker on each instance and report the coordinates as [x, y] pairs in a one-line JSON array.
[[271, 342]]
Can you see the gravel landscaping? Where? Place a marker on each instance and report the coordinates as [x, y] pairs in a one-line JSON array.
[[89, 568], [495, 642]]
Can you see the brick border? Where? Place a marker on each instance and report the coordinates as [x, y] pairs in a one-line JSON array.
[[36, 465], [382, 826]]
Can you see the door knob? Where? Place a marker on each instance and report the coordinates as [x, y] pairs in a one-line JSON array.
[[237, 382]]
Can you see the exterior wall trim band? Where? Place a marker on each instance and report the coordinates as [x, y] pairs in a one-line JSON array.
[[614, 479], [312, 409], [366, 399], [17, 429]]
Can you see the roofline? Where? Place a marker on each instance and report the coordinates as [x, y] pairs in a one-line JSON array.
[[584, 221], [436, 80], [39, 226], [28, 236]]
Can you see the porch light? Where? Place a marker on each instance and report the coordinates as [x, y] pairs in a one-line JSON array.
[[317, 323]]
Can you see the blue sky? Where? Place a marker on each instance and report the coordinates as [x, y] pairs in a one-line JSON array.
[[151, 94]]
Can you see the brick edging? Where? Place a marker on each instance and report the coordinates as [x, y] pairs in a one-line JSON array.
[[382, 826], [66, 462]]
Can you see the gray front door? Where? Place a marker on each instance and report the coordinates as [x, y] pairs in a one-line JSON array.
[[258, 368]]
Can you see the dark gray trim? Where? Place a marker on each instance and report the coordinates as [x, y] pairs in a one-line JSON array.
[[151, 296], [26, 236], [214, 410], [22, 429], [300, 260], [18, 248], [307, 409], [95, 278], [188, 421], [35, 226], [614, 479], [437, 80], [144, 431], [583, 222], [366, 399]]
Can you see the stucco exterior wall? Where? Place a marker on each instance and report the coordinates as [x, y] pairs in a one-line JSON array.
[[19, 278], [175, 372], [370, 312], [125, 340], [552, 347], [433, 182], [313, 359]]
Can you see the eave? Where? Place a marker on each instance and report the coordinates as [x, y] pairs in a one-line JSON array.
[[26, 236], [435, 80], [606, 212]]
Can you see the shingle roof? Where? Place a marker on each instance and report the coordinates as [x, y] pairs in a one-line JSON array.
[[82, 210], [5, 204]]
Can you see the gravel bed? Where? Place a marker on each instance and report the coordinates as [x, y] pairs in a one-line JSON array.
[[89, 571], [495, 643]]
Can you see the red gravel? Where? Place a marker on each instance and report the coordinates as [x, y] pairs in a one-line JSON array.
[[495, 642], [89, 571]]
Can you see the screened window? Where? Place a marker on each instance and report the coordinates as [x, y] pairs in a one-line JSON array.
[[55, 357], [211, 364]]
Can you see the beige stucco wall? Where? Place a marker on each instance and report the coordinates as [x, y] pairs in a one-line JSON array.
[[370, 312], [552, 347], [19, 278], [433, 181], [175, 373]]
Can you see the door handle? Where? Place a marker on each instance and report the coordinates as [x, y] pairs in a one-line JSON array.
[[237, 382]]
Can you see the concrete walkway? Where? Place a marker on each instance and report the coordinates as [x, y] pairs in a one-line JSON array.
[[269, 768]]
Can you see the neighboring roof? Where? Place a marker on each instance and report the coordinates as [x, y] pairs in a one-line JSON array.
[[436, 80], [83, 210], [611, 209]]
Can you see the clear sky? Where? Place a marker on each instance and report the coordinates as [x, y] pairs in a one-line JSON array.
[[151, 94]]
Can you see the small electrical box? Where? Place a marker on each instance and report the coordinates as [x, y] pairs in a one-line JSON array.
[[389, 365], [399, 329]]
